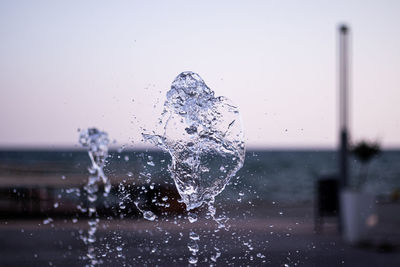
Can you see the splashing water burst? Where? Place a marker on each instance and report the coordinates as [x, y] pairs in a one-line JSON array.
[[204, 136]]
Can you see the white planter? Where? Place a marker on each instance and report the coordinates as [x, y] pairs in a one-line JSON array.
[[358, 215]]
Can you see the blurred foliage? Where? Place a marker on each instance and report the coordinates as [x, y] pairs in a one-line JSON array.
[[365, 151]]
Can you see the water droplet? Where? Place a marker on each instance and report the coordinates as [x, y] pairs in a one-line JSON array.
[[216, 256], [192, 217], [259, 255], [193, 247], [151, 163], [47, 221], [193, 260], [194, 236], [148, 215]]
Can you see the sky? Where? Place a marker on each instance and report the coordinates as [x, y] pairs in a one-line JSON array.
[[108, 64]]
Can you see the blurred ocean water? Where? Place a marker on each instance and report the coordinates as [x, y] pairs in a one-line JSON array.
[[285, 176], [290, 176]]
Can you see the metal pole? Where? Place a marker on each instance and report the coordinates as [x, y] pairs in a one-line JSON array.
[[343, 104], [343, 117]]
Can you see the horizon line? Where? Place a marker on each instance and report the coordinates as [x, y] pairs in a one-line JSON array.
[[153, 148]]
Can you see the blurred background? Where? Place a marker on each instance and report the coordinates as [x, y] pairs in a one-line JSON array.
[[71, 65]]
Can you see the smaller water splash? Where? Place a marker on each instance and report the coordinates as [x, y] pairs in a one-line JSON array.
[[96, 143]]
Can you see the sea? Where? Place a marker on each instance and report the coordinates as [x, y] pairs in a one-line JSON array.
[[285, 176]]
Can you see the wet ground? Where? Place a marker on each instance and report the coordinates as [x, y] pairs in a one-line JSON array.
[[276, 237]]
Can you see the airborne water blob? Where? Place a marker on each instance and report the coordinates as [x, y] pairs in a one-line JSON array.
[[204, 136]]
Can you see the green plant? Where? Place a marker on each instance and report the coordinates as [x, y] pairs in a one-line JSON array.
[[364, 152]]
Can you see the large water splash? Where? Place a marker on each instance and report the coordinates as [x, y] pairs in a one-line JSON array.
[[204, 136], [96, 143]]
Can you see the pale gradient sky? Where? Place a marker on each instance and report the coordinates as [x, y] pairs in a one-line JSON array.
[[71, 64]]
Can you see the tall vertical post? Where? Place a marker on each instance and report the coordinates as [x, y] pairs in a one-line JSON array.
[[343, 104]]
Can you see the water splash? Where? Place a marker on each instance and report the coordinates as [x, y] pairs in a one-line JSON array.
[[204, 136], [96, 143]]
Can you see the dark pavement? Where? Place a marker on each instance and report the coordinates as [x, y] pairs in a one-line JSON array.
[[269, 239]]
